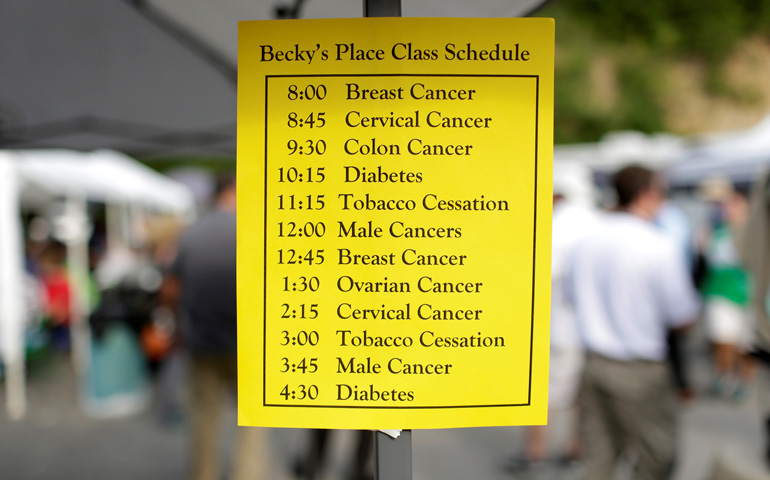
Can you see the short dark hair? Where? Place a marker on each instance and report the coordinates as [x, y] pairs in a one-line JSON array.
[[224, 181], [630, 182]]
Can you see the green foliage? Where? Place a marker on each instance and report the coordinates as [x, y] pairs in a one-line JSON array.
[[758, 16], [576, 117], [642, 38], [709, 28], [638, 106], [706, 28], [575, 120], [620, 20], [717, 84]]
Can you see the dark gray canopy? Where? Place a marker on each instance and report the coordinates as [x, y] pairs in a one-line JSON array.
[[154, 78]]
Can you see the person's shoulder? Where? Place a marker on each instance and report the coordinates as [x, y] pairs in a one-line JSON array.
[[593, 233], [575, 213], [624, 221], [602, 223], [633, 232], [647, 233], [214, 219], [653, 243]]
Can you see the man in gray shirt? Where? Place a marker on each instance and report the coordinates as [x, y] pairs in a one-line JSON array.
[[203, 281]]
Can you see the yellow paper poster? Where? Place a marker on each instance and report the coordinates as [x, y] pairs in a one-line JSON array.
[[394, 210]]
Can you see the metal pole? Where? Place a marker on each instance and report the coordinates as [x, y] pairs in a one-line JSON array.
[[382, 8], [392, 456], [76, 208], [12, 308]]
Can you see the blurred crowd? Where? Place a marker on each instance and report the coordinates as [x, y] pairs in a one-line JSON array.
[[144, 310], [110, 304], [635, 267]]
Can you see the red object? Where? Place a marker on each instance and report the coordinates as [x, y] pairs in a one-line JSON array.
[[57, 297]]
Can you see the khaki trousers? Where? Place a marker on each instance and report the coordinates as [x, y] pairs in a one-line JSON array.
[[214, 379], [627, 407]]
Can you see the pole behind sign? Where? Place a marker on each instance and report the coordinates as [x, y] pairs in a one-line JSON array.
[[394, 240], [393, 456]]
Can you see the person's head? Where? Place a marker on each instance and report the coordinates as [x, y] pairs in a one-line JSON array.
[[718, 192], [639, 190], [573, 183], [225, 192], [737, 208], [52, 257]]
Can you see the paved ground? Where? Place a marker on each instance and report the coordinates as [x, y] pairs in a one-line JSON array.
[[56, 441]]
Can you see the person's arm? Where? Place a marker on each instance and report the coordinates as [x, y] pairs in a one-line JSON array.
[[680, 300], [170, 291]]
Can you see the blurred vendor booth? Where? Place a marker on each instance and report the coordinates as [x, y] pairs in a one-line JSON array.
[[94, 210]]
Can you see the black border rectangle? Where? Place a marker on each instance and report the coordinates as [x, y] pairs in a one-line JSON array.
[[534, 247]]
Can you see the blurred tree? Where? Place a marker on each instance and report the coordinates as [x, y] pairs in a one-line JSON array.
[[644, 40]]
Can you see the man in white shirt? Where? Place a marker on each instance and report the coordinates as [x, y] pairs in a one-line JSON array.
[[629, 286], [574, 215]]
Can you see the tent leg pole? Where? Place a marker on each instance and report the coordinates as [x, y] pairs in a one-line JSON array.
[[382, 8], [77, 267], [393, 456], [16, 394], [12, 285]]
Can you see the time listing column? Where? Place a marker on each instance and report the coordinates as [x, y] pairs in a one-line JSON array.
[[296, 173]]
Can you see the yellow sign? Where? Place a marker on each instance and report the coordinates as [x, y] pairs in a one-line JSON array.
[[394, 210]]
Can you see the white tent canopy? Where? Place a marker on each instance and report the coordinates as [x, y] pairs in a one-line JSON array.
[[11, 280], [740, 156], [617, 149], [35, 178], [103, 176]]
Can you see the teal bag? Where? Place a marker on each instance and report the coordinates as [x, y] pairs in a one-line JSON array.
[[117, 382]]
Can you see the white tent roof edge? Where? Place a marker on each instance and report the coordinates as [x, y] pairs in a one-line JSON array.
[[105, 176], [12, 312]]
